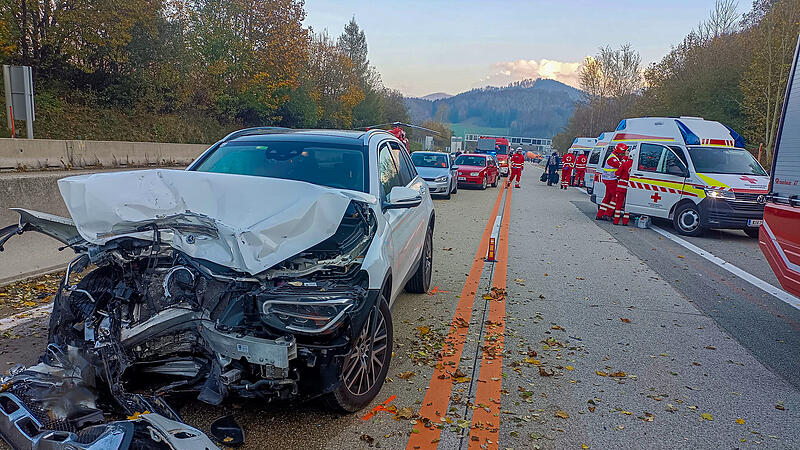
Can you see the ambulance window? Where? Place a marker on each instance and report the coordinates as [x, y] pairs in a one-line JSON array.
[[660, 159], [650, 157], [680, 153], [595, 157]]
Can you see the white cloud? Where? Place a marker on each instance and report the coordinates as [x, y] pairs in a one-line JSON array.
[[565, 72]]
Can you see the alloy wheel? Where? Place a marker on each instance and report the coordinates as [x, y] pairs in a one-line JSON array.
[[363, 365]]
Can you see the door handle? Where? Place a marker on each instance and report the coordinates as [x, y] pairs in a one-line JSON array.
[[637, 175]]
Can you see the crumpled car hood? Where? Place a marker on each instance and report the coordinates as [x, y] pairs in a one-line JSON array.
[[242, 222]]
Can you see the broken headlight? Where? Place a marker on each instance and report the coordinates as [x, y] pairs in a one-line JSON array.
[[317, 314]]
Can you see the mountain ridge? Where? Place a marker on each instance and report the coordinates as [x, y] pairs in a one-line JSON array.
[[535, 108]]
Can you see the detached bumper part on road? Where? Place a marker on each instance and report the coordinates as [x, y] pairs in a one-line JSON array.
[[716, 213]]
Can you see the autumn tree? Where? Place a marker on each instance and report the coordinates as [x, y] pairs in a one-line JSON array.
[[773, 37]]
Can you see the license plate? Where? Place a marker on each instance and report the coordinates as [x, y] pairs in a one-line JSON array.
[[754, 222], [462, 178]]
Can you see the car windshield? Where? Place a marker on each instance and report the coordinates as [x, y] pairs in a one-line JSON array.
[[429, 160], [325, 164], [734, 161], [466, 160]]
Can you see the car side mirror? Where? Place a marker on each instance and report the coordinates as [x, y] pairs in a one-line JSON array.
[[403, 197], [454, 167]]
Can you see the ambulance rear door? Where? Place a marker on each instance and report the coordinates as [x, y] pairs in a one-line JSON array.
[[592, 164], [657, 179]]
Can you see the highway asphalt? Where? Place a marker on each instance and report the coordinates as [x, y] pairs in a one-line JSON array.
[[612, 336]]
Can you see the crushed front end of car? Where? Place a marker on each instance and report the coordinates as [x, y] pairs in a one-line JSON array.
[[182, 300]]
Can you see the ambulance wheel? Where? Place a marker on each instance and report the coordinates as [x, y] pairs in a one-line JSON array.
[[752, 232], [687, 220]]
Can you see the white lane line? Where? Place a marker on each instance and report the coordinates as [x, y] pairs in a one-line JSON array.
[[580, 189], [778, 293], [25, 317]]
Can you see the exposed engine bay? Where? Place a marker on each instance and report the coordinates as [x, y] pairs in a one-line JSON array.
[[149, 323]]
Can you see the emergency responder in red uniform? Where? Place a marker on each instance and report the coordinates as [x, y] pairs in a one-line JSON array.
[[399, 133], [623, 177], [609, 177], [567, 164], [517, 162], [580, 168]]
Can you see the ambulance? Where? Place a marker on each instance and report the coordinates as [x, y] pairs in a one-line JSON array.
[[693, 171], [593, 167], [580, 145], [780, 232]]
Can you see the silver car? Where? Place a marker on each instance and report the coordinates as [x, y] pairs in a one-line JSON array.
[[438, 171]]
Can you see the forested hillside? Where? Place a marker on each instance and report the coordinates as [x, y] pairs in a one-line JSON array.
[[732, 68], [188, 70], [539, 108]]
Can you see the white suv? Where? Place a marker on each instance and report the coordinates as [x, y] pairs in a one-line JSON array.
[[266, 269]]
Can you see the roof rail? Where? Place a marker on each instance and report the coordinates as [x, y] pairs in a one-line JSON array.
[[252, 131]]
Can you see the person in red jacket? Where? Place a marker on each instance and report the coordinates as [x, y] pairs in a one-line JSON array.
[[567, 164], [580, 168], [609, 177], [517, 162], [623, 177]]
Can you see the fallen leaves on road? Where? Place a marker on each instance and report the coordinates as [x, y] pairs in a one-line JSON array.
[[406, 375], [625, 320], [601, 373], [34, 292], [562, 414], [647, 417], [707, 416], [780, 406], [740, 421]]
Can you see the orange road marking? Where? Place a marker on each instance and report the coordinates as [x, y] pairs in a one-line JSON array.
[[486, 416], [381, 407], [440, 387]]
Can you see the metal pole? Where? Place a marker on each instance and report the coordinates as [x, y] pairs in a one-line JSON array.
[[11, 119], [7, 87]]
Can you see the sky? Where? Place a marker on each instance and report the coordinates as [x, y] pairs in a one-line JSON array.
[[421, 47]]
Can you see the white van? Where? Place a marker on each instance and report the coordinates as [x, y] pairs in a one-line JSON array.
[[593, 167], [693, 171]]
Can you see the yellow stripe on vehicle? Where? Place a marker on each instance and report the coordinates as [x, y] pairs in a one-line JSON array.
[[711, 181]]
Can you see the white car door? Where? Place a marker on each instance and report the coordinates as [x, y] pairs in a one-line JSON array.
[[656, 182], [396, 219], [415, 224]]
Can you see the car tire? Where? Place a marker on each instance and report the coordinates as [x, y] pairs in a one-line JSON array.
[[447, 196], [455, 187], [421, 280], [687, 220], [483, 184], [496, 179], [752, 232], [353, 394]]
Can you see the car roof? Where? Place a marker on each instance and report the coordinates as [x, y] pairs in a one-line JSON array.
[[429, 153], [262, 134], [482, 155]]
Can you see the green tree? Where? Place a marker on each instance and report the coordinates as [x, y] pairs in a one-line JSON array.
[[353, 43]]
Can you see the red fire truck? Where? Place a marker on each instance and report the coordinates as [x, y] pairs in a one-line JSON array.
[[779, 236], [498, 147]]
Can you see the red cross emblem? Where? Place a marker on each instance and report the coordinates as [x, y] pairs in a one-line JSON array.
[[655, 197], [748, 179]]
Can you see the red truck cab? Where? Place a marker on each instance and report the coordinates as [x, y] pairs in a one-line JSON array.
[[779, 236], [497, 147]]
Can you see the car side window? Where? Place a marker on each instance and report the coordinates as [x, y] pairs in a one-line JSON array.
[[387, 168], [595, 157], [404, 166]]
